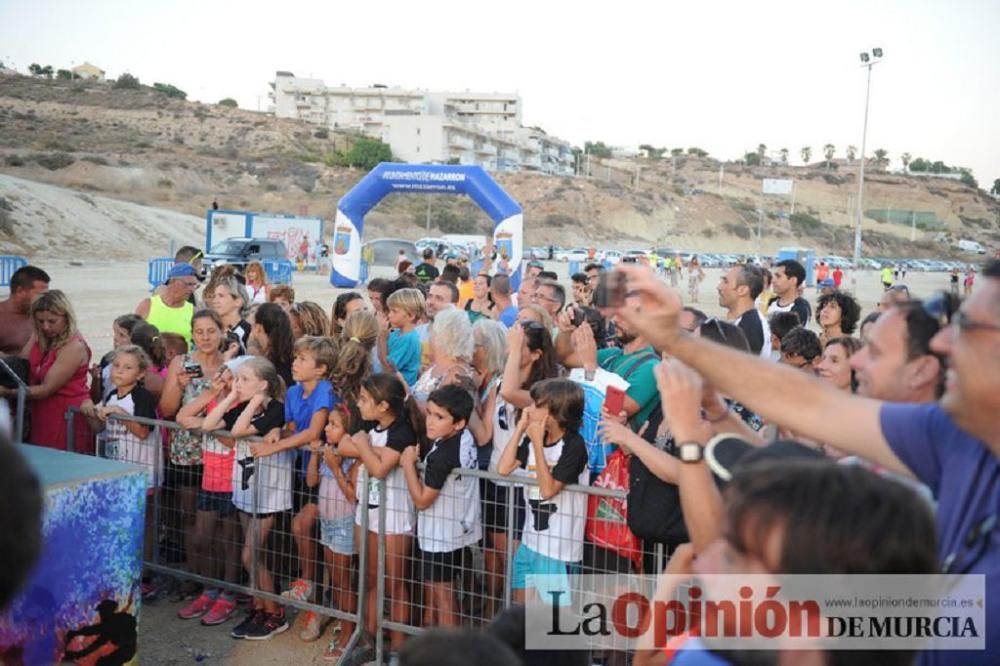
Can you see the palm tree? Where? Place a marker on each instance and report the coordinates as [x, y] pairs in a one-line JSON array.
[[761, 151], [828, 151], [806, 152], [784, 155], [905, 159], [881, 157], [852, 152]]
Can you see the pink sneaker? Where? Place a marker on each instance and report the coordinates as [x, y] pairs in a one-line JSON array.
[[220, 611], [196, 608]]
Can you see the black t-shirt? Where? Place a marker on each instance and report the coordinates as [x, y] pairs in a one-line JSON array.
[[272, 416], [427, 272], [799, 306], [572, 458], [285, 372], [753, 328], [399, 435], [242, 330], [443, 457]]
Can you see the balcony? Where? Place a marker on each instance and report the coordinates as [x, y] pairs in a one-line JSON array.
[[486, 149], [460, 142]]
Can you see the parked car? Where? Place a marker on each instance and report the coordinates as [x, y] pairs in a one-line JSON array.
[[385, 251], [239, 252], [576, 254], [612, 256]]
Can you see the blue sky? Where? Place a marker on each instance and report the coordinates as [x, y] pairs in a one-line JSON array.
[[724, 76]]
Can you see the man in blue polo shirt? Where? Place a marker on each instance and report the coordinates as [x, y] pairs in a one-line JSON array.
[[952, 446]]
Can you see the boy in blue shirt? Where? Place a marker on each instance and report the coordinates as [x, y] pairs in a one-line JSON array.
[[307, 408], [399, 351]]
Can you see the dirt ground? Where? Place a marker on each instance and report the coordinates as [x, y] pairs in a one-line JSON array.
[[101, 291]]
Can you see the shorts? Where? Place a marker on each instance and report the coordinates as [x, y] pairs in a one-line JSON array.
[[216, 501], [302, 494], [494, 513], [182, 476], [550, 577], [337, 534], [602, 560], [441, 567]]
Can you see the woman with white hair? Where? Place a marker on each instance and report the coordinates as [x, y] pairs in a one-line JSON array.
[[452, 349]]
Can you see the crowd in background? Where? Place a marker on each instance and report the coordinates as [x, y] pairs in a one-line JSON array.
[[796, 419]]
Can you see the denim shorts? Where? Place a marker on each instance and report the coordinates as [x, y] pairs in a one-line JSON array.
[[338, 534], [215, 501]]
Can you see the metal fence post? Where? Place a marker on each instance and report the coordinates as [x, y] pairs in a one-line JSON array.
[[509, 545], [22, 396], [363, 555], [254, 527], [70, 440], [380, 580]]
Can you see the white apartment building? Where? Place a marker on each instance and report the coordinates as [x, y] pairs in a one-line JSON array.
[[428, 127]]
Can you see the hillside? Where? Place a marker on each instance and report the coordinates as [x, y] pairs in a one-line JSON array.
[[142, 147]]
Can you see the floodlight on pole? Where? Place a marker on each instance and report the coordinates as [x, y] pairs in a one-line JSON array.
[[867, 63]]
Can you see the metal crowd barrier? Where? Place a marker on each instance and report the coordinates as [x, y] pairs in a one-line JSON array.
[[480, 566], [22, 397]]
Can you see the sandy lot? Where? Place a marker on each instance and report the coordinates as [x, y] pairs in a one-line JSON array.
[[101, 291]]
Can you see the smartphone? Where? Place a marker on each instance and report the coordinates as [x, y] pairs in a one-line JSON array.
[[579, 316], [611, 290], [193, 369], [614, 400]]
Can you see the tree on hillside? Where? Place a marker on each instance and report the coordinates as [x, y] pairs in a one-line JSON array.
[[46, 71], [126, 82], [784, 155], [676, 152], [881, 158], [828, 152], [852, 152], [919, 165], [230, 102], [995, 191], [35, 69], [905, 159], [697, 152], [367, 153], [170, 90], [761, 152], [752, 159], [651, 152], [968, 179], [597, 149], [806, 152]]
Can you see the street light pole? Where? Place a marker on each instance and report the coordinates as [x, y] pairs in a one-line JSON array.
[[861, 172]]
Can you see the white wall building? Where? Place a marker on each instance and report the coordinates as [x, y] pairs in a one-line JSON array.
[[428, 127]]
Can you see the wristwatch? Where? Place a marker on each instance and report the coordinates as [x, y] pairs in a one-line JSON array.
[[691, 452]]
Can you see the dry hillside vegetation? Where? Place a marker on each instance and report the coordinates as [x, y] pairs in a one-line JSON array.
[[143, 147]]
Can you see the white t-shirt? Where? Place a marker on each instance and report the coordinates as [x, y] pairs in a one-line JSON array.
[[554, 527], [399, 508], [120, 444], [452, 521], [269, 477], [504, 424]]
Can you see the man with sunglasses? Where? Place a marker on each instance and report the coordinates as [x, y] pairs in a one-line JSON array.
[[952, 446]]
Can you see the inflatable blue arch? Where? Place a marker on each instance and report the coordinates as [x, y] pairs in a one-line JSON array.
[[388, 178]]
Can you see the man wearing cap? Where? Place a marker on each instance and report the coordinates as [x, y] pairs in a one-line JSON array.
[[953, 446], [827, 286], [170, 310]]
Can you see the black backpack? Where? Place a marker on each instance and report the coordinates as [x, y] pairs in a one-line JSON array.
[[654, 507]]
